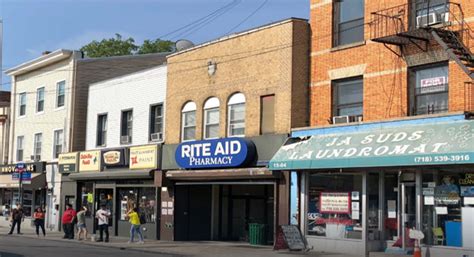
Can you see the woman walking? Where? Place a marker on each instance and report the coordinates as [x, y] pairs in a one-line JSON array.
[[81, 223], [38, 215], [134, 220]]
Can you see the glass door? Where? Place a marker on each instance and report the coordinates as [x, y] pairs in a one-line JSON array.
[[105, 196], [408, 212]]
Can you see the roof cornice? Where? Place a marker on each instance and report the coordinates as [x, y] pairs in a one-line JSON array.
[[39, 62]]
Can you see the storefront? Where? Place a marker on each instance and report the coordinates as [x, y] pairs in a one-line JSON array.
[[34, 188], [120, 179], [362, 187], [213, 189]]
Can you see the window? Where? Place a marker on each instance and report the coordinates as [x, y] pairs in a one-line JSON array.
[[236, 116], [37, 147], [60, 93], [348, 22], [87, 196], [58, 143], [156, 123], [126, 127], [40, 99], [142, 198], [348, 98], [267, 114], [429, 89], [102, 130], [335, 205], [19, 148], [211, 118], [22, 104], [188, 122]]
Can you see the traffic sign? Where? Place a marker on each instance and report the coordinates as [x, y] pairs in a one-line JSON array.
[[25, 177], [20, 167]]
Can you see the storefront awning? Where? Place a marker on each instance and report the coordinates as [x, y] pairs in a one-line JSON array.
[[221, 174], [38, 180], [409, 145], [115, 174]]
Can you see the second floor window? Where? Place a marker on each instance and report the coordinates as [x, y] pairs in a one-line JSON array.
[[58, 143], [188, 122], [22, 104], [60, 93], [126, 127], [348, 22], [102, 130], [19, 148], [156, 122], [236, 115], [37, 147], [40, 99], [211, 118], [267, 114], [348, 98]]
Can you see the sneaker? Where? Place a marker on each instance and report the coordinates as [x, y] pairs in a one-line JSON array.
[[129, 242]]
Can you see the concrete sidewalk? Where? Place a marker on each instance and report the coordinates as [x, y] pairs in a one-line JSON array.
[[192, 249]]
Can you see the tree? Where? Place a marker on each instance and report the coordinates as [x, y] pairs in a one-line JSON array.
[[156, 46], [110, 47]]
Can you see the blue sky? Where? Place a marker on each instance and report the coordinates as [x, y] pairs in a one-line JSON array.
[[33, 26]]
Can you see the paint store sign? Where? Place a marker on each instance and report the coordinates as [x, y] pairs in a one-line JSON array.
[[228, 152]]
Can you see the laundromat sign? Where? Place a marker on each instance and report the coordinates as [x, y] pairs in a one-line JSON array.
[[215, 153]]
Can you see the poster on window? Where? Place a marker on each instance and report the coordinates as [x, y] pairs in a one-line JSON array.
[[431, 85], [335, 202]]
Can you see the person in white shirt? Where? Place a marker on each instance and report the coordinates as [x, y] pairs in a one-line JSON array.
[[103, 216]]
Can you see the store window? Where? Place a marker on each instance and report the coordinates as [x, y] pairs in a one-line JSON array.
[[188, 122], [156, 123], [429, 89], [142, 198], [58, 143], [86, 190], [37, 147], [211, 118], [348, 99], [267, 114], [60, 93], [236, 115], [348, 22], [102, 130], [126, 127], [40, 99], [22, 104], [448, 207], [19, 148], [335, 205]]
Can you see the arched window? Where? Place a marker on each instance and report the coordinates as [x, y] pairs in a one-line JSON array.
[[188, 122], [211, 118], [236, 115]]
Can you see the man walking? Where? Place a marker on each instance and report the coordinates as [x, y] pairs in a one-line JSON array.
[[17, 217], [102, 216], [67, 220]]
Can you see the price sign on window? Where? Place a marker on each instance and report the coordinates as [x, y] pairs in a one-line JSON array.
[[335, 202], [431, 85]]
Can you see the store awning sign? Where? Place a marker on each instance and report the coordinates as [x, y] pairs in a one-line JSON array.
[[28, 167], [115, 157], [214, 153], [89, 161], [411, 145], [68, 162], [143, 157]]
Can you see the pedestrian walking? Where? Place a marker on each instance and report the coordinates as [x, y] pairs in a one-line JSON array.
[[134, 220], [38, 215], [81, 223], [102, 216], [68, 222], [17, 216]]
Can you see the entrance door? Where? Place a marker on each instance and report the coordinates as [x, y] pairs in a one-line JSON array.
[[105, 196], [408, 212]]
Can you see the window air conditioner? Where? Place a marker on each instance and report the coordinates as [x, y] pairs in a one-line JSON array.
[[340, 119], [431, 19], [125, 139], [156, 137]]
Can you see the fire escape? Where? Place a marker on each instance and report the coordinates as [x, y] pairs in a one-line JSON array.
[[443, 24]]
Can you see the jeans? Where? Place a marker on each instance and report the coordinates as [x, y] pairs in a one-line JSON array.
[[39, 223], [68, 231], [135, 229], [104, 228], [16, 223]]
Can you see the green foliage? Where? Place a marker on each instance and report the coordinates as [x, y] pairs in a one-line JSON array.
[[118, 46]]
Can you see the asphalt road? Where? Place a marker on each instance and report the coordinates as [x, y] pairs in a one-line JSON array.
[[17, 246]]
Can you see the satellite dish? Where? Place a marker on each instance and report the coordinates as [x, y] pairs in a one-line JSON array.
[[183, 44]]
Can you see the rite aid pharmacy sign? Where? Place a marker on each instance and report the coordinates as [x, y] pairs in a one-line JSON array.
[[215, 153]]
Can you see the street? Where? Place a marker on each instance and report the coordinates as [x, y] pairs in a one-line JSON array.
[[18, 246]]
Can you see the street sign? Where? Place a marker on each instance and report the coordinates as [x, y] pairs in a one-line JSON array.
[[25, 177], [20, 167]]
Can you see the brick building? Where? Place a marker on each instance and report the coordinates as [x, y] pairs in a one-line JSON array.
[[390, 143], [245, 90]]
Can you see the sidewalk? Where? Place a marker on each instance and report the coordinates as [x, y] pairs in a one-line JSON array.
[[192, 249]]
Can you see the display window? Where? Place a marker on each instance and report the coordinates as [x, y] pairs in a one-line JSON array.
[[142, 198], [335, 205], [86, 190]]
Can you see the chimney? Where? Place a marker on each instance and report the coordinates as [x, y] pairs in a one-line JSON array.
[[46, 52]]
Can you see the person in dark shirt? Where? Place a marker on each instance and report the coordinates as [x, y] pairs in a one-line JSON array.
[[17, 217]]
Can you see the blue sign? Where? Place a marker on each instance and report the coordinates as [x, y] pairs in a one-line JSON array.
[[25, 176], [215, 153]]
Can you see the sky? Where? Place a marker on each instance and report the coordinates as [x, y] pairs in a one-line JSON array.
[[33, 26]]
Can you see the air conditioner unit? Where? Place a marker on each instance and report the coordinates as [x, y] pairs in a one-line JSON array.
[[156, 137], [431, 19], [340, 119], [355, 118], [126, 139]]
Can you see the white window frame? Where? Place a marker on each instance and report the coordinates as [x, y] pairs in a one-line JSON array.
[[35, 142], [54, 143], [189, 107], [19, 104], [152, 127], [128, 122], [57, 95], [211, 105], [37, 99], [18, 149], [234, 100], [99, 130]]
